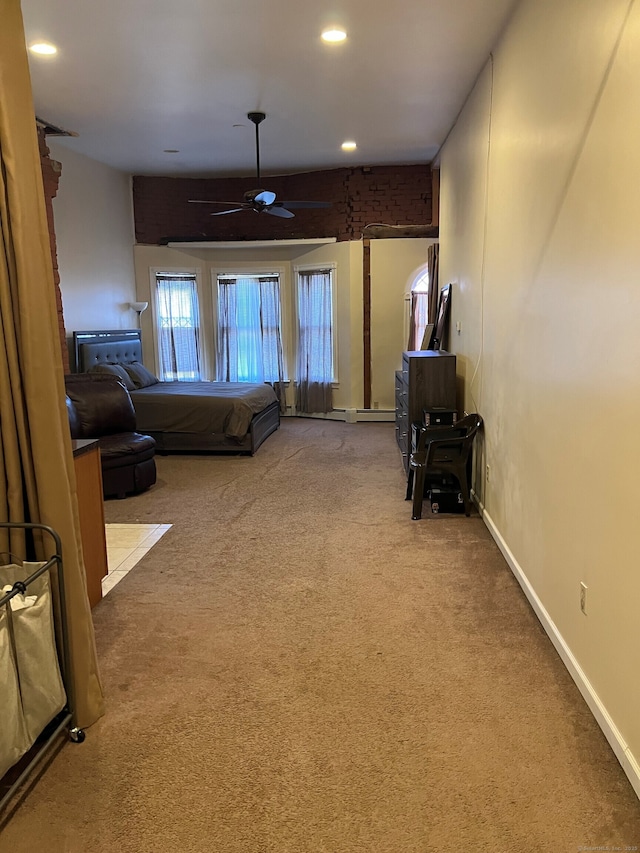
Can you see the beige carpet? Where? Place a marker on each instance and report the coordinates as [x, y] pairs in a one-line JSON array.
[[297, 667]]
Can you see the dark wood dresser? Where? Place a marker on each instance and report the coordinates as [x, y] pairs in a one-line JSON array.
[[427, 380]]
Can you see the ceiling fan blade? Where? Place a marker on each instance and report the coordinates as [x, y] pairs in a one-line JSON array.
[[295, 204], [202, 201], [222, 212], [279, 211], [266, 197]]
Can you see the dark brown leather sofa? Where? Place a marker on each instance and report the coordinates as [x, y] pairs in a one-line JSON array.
[[99, 406]]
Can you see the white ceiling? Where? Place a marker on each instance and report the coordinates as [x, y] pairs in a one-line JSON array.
[[135, 77]]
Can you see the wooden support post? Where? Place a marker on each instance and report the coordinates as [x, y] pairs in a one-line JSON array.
[[366, 320], [435, 196]]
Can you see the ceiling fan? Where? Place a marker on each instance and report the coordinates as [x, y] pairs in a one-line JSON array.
[[261, 201]]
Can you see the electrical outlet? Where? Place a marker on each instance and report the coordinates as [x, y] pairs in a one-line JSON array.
[[376, 405], [583, 597], [488, 472]]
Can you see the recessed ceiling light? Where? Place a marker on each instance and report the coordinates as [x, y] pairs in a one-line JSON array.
[[43, 48], [349, 146], [334, 35]]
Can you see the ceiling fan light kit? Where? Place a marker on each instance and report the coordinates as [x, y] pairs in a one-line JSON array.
[[261, 200]]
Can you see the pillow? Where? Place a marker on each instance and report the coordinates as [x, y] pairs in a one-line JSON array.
[[115, 370], [139, 375]]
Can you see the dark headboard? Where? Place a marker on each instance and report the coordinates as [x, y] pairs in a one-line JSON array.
[[119, 352], [126, 340]]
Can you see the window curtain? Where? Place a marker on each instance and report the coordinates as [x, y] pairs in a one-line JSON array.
[[433, 255], [418, 319], [270, 324], [315, 343], [178, 328], [411, 343], [227, 360], [250, 332], [37, 477]]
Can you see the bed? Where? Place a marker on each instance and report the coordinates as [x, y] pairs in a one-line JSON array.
[[228, 417]]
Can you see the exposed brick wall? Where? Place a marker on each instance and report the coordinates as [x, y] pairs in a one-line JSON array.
[[392, 195], [51, 170]]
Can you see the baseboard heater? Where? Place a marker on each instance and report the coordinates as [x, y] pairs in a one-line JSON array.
[[351, 416]]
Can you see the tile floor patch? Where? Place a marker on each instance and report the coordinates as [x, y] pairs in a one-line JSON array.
[[126, 546]]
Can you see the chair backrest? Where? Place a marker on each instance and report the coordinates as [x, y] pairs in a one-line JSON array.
[[469, 426], [98, 404], [456, 448]]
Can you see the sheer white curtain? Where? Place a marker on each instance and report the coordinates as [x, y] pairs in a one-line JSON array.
[[433, 265], [273, 358], [419, 310], [239, 334], [315, 342], [178, 327], [249, 331]]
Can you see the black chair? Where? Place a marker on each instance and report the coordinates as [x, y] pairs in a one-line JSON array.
[[442, 451]]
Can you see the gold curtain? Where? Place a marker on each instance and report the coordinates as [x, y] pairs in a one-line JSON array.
[[37, 480]]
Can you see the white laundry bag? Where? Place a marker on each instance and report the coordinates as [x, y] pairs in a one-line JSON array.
[[13, 734], [31, 615]]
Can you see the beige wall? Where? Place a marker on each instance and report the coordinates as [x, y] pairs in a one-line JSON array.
[[539, 233], [94, 232], [395, 264], [392, 268]]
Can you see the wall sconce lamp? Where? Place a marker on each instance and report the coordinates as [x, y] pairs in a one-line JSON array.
[[139, 307]]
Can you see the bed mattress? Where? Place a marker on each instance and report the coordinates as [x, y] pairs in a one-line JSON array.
[[200, 407]]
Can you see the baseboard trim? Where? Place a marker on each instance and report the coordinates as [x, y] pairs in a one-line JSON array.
[[618, 744], [351, 416]]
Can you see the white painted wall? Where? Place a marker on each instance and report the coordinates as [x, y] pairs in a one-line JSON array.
[[94, 232], [539, 233]]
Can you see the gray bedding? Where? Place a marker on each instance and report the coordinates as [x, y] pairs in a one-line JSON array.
[[202, 407]]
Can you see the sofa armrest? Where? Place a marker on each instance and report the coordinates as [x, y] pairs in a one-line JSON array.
[[74, 420]]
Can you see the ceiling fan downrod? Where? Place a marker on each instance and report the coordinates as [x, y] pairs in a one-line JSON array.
[[257, 118], [260, 200]]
